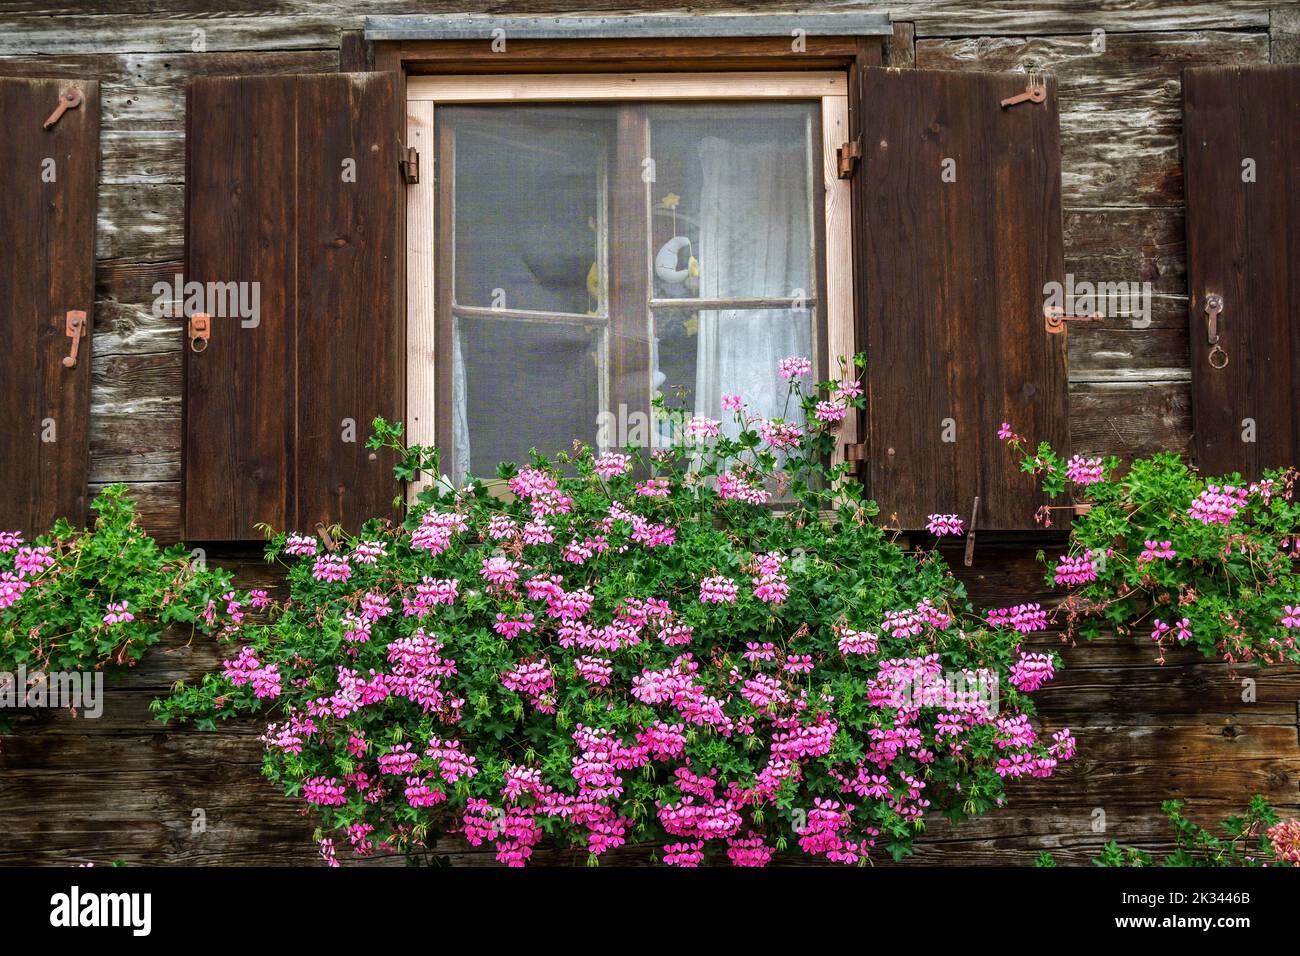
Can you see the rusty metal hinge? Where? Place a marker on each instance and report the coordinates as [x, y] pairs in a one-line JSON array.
[[855, 451], [411, 166], [847, 157], [69, 99], [74, 328], [200, 329], [1035, 92], [1055, 317]]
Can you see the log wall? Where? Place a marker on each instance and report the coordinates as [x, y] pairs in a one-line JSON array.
[[124, 788]]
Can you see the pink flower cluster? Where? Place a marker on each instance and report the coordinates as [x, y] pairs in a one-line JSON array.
[[247, 669], [795, 367], [718, 590], [1155, 550], [942, 525], [118, 613], [1218, 505], [1075, 569], [1025, 618], [1032, 671], [1084, 471]]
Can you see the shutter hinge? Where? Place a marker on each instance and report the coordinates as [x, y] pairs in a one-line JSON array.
[[411, 166], [855, 451], [847, 157]]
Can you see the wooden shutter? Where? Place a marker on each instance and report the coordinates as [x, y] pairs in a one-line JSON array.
[[48, 179], [1241, 129], [293, 183], [951, 290]]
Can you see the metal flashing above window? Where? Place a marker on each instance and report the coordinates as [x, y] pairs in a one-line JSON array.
[[465, 27]]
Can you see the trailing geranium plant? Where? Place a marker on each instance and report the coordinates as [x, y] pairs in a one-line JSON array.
[[708, 646], [1160, 551], [1256, 838], [86, 599]]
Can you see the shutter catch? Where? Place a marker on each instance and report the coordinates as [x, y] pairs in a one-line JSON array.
[[411, 166], [75, 329], [69, 99], [847, 157], [969, 557], [200, 331], [1055, 318], [1035, 92]]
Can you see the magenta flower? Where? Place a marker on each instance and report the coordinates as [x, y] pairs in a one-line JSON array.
[[333, 568], [1217, 505], [717, 590], [701, 428], [1084, 471], [1075, 569], [118, 614], [1154, 550], [794, 367], [611, 464], [942, 525]]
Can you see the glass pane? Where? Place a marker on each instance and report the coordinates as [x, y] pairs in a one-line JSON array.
[[732, 200], [705, 354], [531, 197], [520, 385]]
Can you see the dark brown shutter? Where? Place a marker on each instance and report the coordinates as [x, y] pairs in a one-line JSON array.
[[1243, 244], [48, 179], [951, 290], [294, 183]]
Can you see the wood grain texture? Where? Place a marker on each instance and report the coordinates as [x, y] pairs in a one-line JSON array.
[[1242, 144], [1146, 732], [47, 216], [279, 407], [954, 276]]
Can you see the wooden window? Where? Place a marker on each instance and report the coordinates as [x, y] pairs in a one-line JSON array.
[[592, 240], [294, 191], [48, 179], [1241, 129]]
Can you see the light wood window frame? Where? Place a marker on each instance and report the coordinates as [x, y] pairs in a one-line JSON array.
[[424, 93]]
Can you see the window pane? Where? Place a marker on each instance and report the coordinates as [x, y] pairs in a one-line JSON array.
[[531, 192], [520, 385], [706, 354], [733, 189]]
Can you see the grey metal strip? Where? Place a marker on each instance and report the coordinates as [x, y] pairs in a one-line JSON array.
[[465, 27]]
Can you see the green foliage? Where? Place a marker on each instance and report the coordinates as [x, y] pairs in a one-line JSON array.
[[1164, 553], [1247, 841], [637, 545], [78, 600]]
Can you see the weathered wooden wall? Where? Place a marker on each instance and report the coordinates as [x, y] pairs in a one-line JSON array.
[[124, 788]]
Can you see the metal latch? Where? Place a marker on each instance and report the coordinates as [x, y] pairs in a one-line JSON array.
[[1035, 92], [74, 328], [1213, 309], [411, 166], [847, 157], [200, 331], [69, 99], [1055, 318]]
